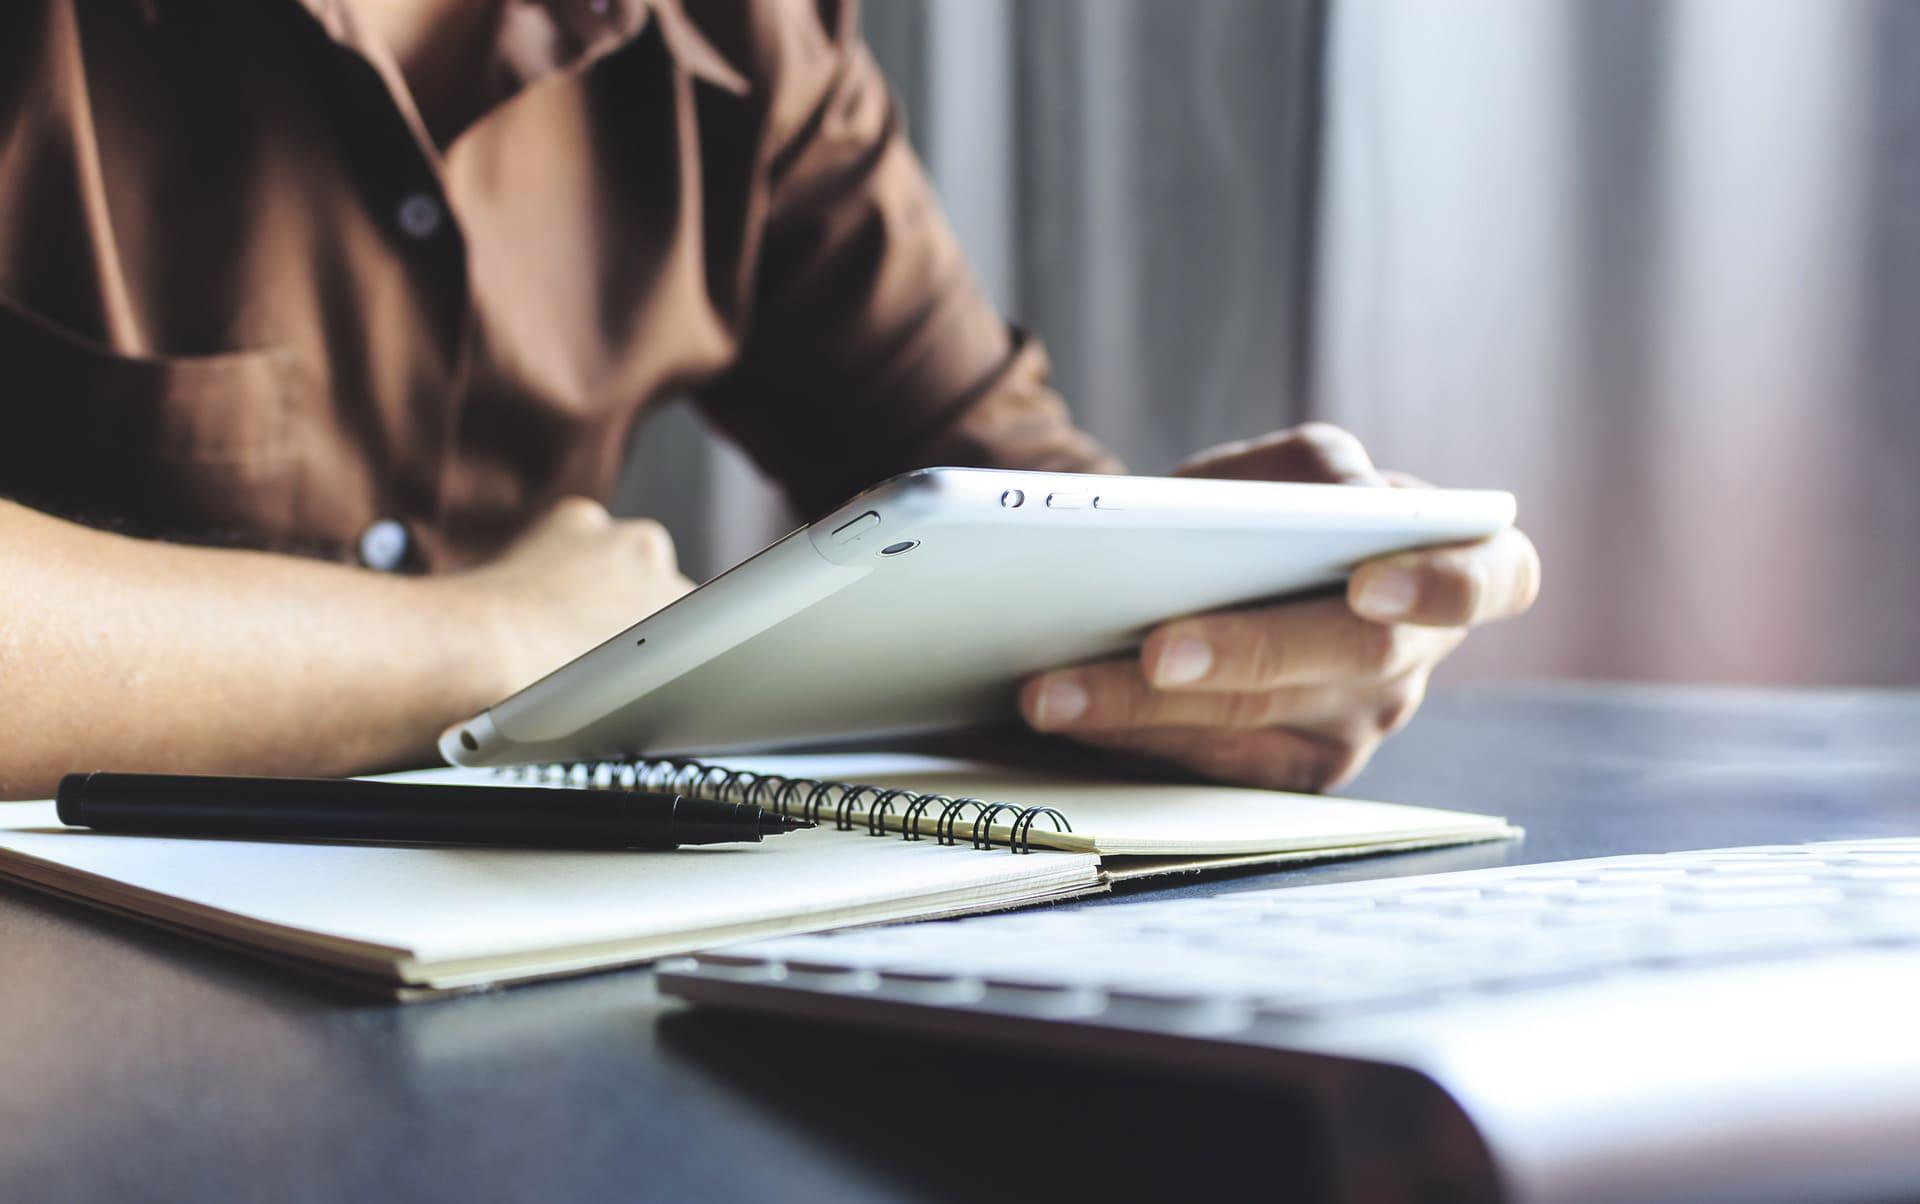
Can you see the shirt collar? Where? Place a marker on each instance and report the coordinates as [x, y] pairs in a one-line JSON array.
[[690, 48]]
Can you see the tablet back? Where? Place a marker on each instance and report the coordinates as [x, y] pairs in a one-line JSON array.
[[923, 602]]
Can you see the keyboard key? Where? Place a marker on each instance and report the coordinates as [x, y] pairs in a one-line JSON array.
[[1537, 886], [1309, 908], [1874, 873], [1619, 913], [1738, 882], [1683, 948], [1531, 977], [1642, 874], [1360, 995], [1910, 859], [1898, 914], [1604, 892], [1207, 1016], [1048, 1000], [1495, 905], [1897, 890], [1429, 898], [1730, 900]]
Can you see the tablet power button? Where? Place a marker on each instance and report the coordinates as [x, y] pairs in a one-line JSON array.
[[849, 531]]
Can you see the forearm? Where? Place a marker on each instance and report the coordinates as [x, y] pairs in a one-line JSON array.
[[118, 653]]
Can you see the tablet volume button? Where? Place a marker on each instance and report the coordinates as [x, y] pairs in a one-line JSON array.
[[1066, 501], [849, 531]]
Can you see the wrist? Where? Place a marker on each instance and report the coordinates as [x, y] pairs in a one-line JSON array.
[[479, 656]]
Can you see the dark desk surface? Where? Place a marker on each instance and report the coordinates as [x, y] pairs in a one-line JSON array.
[[139, 1066]]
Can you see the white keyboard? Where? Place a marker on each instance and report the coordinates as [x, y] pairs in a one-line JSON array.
[[1670, 983], [1316, 950]]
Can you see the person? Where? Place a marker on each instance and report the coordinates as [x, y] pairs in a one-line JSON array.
[[323, 324]]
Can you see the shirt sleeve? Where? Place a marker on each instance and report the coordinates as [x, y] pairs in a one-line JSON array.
[[871, 348]]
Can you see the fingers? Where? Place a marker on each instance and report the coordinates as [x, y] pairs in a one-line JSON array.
[[577, 513], [1459, 586], [650, 540], [1318, 641], [1114, 696], [1302, 739], [581, 521], [1292, 697], [1315, 453], [1265, 758]]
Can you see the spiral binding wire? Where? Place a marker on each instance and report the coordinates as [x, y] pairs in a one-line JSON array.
[[803, 798]]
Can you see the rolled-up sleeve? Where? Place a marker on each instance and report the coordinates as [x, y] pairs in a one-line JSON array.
[[871, 347]]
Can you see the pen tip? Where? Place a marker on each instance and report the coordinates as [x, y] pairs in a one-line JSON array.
[[774, 825]]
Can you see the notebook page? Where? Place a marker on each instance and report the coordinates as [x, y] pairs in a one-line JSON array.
[[1125, 818], [421, 906]]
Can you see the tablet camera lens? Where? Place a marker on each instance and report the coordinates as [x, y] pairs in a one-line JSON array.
[[905, 545], [1012, 498]]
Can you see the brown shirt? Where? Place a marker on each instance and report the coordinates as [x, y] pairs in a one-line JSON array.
[[247, 294]]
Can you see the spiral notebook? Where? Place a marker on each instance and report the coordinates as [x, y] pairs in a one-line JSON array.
[[899, 838]]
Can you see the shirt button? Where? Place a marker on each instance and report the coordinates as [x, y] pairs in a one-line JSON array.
[[419, 216], [383, 545]]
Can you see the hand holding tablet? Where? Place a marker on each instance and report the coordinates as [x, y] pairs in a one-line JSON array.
[[1295, 695]]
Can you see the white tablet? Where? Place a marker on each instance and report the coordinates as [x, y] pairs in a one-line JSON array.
[[924, 601]]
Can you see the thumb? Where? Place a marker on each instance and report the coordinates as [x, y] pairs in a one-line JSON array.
[[1315, 453]]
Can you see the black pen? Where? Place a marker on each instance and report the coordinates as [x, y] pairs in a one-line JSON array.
[[356, 809]]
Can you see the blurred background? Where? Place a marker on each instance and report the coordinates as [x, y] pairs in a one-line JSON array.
[[1654, 266]]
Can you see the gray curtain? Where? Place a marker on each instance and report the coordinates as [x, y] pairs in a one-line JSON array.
[[1655, 266], [1135, 182]]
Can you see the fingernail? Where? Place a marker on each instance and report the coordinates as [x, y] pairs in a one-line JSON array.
[[1185, 659], [1061, 700], [1388, 593]]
